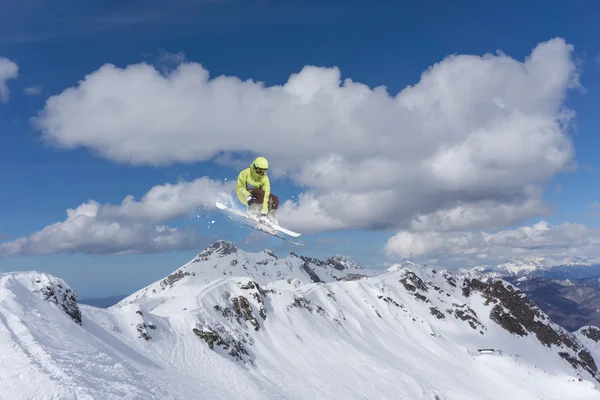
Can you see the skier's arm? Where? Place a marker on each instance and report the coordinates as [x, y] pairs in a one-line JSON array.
[[240, 188], [266, 187]]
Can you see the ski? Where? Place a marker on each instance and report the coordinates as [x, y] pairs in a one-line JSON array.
[[258, 227], [244, 215]]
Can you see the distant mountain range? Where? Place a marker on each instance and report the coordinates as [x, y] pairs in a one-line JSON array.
[[103, 302], [569, 291]]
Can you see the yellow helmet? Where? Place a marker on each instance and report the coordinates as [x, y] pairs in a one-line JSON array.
[[260, 166], [261, 162]]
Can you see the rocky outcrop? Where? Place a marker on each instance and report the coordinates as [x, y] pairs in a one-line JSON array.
[[591, 332], [321, 272], [415, 286], [465, 313], [307, 304], [233, 339], [175, 277], [513, 311], [220, 248], [342, 263], [60, 294], [142, 328], [219, 339]]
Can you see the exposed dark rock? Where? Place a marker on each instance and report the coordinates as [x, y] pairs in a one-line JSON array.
[[517, 314], [388, 300], [309, 271], [449, 278], [249, 285], [336, 263], [507, 321], [584, 361], [270, 252], [143, 330], [437, 313], [435, 287], [258, 294], [220, 248], [353, 277], [341, 263], [591, 332], [411, 281], [240, 308], [301, 302], [570, 303], [65, 298], [243, 310], [222, 339], [175, 277], [466, 313]]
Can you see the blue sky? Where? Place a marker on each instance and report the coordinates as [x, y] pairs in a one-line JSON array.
[[109, 139]]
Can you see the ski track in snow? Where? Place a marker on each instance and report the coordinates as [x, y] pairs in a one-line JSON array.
[[366, 339]]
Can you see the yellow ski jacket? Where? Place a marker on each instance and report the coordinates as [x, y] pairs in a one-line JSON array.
[[247, 180]]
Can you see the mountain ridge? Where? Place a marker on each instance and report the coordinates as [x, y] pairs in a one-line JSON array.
[[569, 292], [210, 332]]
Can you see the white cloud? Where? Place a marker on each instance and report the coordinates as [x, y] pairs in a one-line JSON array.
[[8, 70], [131, 227], [486, 214], [34, 90], [169, 201], [476, 136], [541, 239], [308, 216]]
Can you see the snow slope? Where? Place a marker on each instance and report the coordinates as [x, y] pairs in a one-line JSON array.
[[218, 328]]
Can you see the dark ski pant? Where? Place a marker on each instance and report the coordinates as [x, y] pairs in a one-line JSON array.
[[259, 196]]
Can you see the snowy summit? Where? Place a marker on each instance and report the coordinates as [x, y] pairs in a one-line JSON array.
[[231, 324]]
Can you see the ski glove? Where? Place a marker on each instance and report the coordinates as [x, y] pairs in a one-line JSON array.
[[250, 199]]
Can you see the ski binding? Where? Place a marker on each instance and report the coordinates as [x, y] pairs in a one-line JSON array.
[[252, 218]]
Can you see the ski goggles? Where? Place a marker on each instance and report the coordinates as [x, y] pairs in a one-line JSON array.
[[260, 171]]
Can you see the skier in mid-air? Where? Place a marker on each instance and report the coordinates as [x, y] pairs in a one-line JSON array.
[[253, 189]]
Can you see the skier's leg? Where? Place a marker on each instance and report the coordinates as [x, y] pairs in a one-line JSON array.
[[256, 204], [273, 206]]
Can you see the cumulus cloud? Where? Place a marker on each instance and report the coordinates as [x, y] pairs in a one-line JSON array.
[[169, 201], [130, 227], [486, 214], [541, 239], [8, 70], [477, 136]]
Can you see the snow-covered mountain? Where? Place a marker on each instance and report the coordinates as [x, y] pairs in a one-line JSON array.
[[518, 267], [567, 290], [233, 325], [580, 261], [530, 267], [224, 259]]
